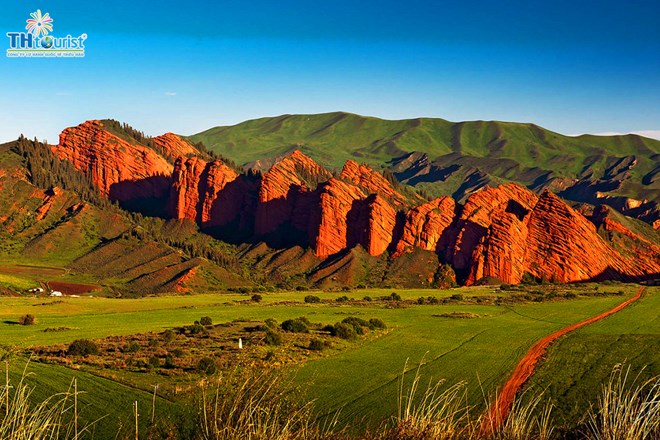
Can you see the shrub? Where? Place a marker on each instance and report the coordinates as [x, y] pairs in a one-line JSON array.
[[206, 320], [154, 362], [377, 323], [177, 352], [256, 298], [206, 365], [367, 298], [394, 297], [301, 288], [82, 347], [312, 299], [27, 320], [344, 331], [168, 335], [342, 299], [357, 323], [132, 347], [316, 344], [421, 300], [457, 297], [272, 337], [169, 362], [154, 343], [270, 322], [295, 326], [432, 300]]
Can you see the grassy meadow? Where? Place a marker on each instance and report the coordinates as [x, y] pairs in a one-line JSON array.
[[358, 382]]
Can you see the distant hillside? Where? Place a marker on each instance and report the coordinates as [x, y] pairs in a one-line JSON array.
[[447, 158]]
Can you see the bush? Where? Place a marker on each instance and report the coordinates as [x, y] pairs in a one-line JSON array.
[[457, 297], [154, 362], [169, 362], [367, 298], [132, 347], [316, 344], [82, 347], [154, 343], [342, 299], [344, 331], [206, 365], [27, 320], [270, 322], [295, 326], [394, 297], [301, 288], [256, 298], [168, 335], [432, 300], [312, 299], [177, 352], [377, 323], [421, 300], [272, 337], [206, 320]]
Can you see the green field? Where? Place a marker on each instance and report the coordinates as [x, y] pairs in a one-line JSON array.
[[579, 363], [360, 380]]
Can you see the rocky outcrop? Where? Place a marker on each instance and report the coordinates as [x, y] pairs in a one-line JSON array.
[[477, 216], [425, 226], [330, 227], [557, 243], [172, 146], [209, 193], [371, 181], [284, 193], [120, 170]]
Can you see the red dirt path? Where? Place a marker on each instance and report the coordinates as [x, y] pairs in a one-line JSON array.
[[525, 369]]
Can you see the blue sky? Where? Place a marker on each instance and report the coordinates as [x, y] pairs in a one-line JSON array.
[[187, 66]]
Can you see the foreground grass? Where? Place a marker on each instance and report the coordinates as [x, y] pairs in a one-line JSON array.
[[577, 365], [358, 382]]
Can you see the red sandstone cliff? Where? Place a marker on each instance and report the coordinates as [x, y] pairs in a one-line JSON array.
[[210, 193], [426, 224], [172, 146], [120, 170], [284, 193]]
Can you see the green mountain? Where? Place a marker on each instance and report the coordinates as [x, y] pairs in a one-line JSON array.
[[448, 158], [333, 138]]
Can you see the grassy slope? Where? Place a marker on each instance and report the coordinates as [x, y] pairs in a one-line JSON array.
[[578, 365], [362, 379], [332, 138]]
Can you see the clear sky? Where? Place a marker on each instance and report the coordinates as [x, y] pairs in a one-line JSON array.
[[185, 66]]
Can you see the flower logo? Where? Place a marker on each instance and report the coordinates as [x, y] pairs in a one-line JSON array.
[[39, 24]]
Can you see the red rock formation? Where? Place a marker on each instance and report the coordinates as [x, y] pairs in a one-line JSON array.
[[173, 146], [477, 216], [337, 198], [501, 254], [425, 225], [371, 181], [200, 192], [50, 197], [282, 192], [380, 223], [120, 170], [562, 245]]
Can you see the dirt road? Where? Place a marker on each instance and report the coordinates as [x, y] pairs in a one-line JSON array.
[[499, 411]]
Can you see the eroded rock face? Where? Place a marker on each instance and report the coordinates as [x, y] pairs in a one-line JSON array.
[[172, 146], [562, 245], [121, 171], [284, 193], [331, 229], [372, 182], [425, 226], [477, 216], [206, 192]]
